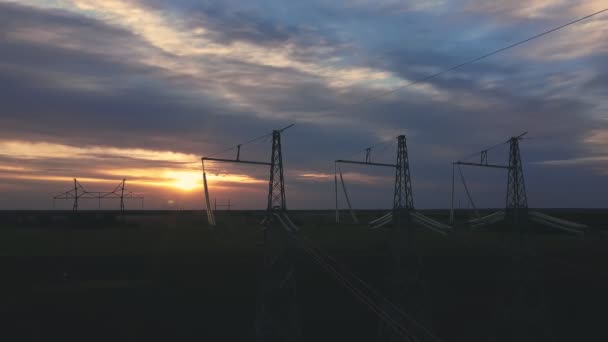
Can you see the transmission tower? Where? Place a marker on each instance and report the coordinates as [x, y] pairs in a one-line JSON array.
[[405, 284], [523, 315], [277, 310], [276, 185], [404, 199], [516, 207], [76, 186], [403, 202], [79, 192], [277, 317], [517, 199], [227, 205], [122, 196]]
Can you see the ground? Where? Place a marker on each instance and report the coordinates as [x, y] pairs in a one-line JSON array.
[[167, 275]]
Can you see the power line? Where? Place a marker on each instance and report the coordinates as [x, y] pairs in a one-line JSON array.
[[470, 62], [342, 270], [484, 150], [521, 136], [372, 147], [386, 145], [477, 59], [438, 74], [261, 137], [241, 144]]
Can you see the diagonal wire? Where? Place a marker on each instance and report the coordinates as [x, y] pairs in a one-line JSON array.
[[445, 71], [371, 289], [241, 144], [377, 309], [371, 147], [249, 141], [485, 149], [466, 189]]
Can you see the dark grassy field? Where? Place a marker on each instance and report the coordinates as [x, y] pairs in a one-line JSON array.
[[166, 275]]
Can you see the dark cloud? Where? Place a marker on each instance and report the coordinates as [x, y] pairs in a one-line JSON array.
[[228, 22], [598, 84]]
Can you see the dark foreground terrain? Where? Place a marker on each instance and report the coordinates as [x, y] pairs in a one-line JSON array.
[[168, 276]]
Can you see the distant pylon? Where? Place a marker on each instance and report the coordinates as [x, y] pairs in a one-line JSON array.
[[75, 206], [78, 192], [122, 196], [404, 199], [517, 199]]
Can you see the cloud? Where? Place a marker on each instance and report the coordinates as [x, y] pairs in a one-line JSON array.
[[519, 8], [178, 41], [98, 167], [577, 161], [580, 40], [97, 89], [36, 150]]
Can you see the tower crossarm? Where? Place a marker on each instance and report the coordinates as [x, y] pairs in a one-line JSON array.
[[482, 165], [65, 195], [236, 161], [80, 193], [364, 163], [276, 183]]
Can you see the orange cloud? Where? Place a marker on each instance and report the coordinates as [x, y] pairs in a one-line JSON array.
[[182, 173]]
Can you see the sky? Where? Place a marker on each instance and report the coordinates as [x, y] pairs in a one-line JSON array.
[[105, 90]]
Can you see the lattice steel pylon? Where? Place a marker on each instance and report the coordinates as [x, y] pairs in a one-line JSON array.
[[76, 185], [277, 316], [404, 198], [276, 184], [79, 192], [405, 283], [122, 196], [517, 198], [524, 315]]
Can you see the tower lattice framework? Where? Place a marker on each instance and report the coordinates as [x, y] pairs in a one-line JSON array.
[[276, 185], [404, 283], [404, 198], [517, 198], [277, 316]]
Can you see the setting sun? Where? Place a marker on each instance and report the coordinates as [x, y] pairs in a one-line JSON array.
[[185, 180]]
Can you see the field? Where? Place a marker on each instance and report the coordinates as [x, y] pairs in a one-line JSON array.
[[167, 275]]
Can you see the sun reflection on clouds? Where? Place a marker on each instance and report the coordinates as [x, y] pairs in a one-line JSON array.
[[354, 177], [315, 177], [147, 168], [36, 150], [12, 168]]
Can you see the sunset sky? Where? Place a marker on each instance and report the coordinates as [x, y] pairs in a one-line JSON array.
[[102, 90]]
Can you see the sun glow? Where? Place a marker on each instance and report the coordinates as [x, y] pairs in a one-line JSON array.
[[141, 167], [185, 180], [190, 180]]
